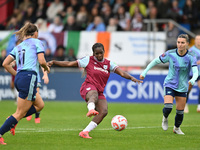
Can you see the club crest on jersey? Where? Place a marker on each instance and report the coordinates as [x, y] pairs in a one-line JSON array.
[[105, 66]]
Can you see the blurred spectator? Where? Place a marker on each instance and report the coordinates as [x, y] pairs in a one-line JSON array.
[[140, 5], [106, 13], [60, 53], [75, 5], [153, 14], [2, 57], [48, 56], [29, 15], [41, 24], [87, 4], [56, 26], [174, 12], [137, 23], [117, 4], [172, 34], [94, 13], [55, 7], [24, 5], [82, 18], [150, 5], [123, 18], [113, 25], [18, 14], [41, 9], [71, 24], [70, 55], [97, 25], [65, 14], [190, 13], [163, 8], [12, 24]]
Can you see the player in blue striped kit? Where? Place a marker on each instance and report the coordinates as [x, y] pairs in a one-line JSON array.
[[196, 50], [28, 55], [176, 83]]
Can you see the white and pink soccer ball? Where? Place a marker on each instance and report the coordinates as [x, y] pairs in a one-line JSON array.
[[119, 122]]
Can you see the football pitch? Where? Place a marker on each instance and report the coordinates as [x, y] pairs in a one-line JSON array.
[[61, 123]]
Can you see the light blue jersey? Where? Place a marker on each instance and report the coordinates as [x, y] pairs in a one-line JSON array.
[[196, 52], [179, 69], [25, 54]]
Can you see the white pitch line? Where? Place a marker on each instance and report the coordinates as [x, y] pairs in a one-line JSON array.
[[25, 130]]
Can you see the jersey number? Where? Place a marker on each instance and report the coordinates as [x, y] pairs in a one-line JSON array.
[[21, 57]]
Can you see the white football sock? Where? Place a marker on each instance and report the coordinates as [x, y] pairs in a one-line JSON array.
[[92, 125], [90, 106]]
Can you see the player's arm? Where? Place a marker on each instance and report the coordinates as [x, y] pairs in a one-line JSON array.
[[7, 65], [195, 75], [63, 63], [150, 65], [126, 75], [42, 62], [45, 76]]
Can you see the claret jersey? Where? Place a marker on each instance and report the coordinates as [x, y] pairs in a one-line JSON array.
[[97, 72]]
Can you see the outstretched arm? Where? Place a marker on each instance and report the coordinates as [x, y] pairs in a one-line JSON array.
[[150, 65], [127, 75], [63, 63]]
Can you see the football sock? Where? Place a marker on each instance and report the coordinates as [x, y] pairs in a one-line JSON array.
[[90, 106], [31, 111], [37, 114], [179, 117], [8, 124], [92, 125], [167, 109]]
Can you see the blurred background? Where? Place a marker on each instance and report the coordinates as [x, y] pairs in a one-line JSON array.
[[133, 33]]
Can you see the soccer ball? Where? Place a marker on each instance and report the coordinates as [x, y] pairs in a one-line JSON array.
[[119, 122]]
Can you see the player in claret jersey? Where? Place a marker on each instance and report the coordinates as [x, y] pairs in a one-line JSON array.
[[98, 71]]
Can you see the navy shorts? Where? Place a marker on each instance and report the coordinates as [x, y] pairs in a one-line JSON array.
[[26, 84], [169, 91]]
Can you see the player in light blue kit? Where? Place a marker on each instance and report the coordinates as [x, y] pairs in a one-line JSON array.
[[46, 81], [28, 55], [176, 83], [196, 50]]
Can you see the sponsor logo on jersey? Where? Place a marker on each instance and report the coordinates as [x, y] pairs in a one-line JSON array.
[[105, 66], [100, 69]]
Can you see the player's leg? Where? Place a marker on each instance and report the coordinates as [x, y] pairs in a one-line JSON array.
[[102, 108], [180, 105], [186, 109], [198, 106], [91, 99], [168, 105], [23, 106]]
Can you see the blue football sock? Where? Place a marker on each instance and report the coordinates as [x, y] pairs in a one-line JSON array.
[[31, 111], [179, 118], [8, 124], [37, 114], [167, 109]]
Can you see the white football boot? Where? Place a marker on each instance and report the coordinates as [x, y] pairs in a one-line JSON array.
[[165, 123], [178, 131]]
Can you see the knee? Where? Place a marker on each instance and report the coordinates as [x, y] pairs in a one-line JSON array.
[[104, 112], [40, 106]]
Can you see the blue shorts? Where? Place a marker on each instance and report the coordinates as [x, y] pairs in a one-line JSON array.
[[170, 91], [26, 84]]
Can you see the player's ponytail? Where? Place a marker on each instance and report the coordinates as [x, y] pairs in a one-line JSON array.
[[27, 30]]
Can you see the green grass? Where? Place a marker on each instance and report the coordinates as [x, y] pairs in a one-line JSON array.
[[61, 123]]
